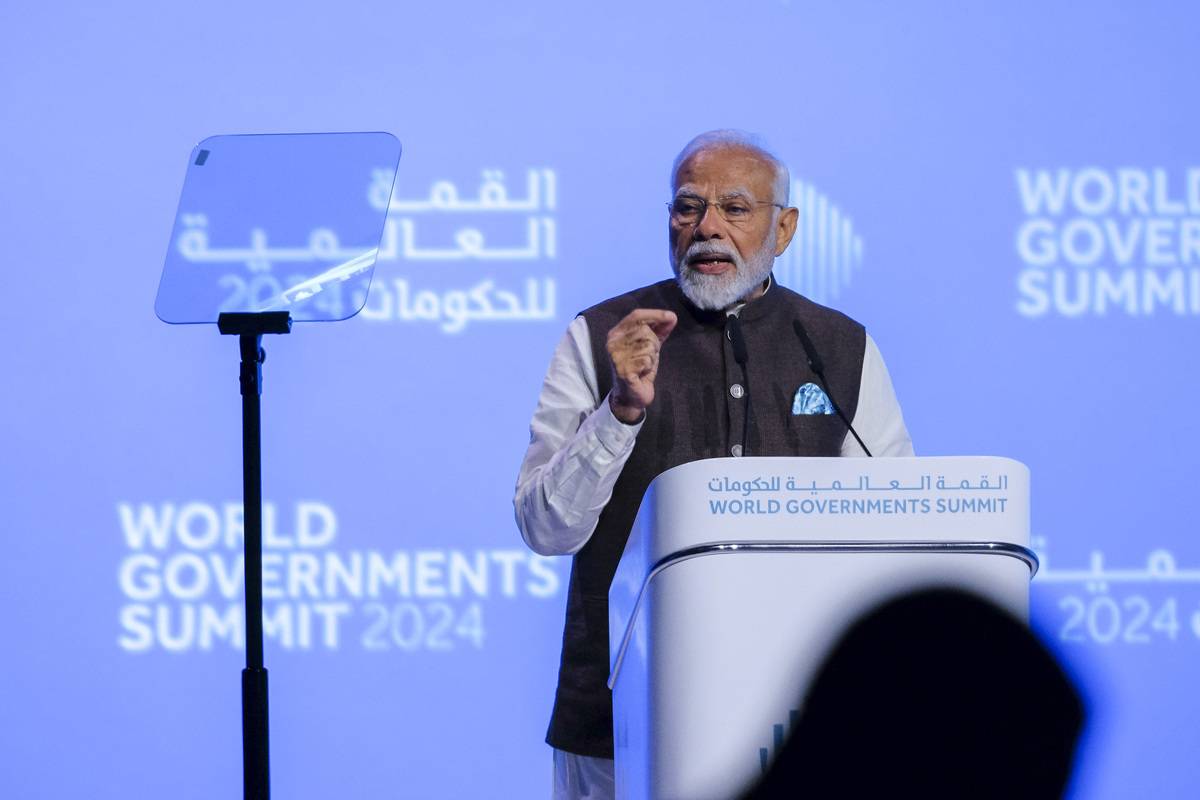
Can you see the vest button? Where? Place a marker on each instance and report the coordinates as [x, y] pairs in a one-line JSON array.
[[737, 391], [736, 451]]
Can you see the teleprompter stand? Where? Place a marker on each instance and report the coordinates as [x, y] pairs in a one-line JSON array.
[[249, 328], [298, 183]]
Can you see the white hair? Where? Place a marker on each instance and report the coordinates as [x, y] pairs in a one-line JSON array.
[[733, 138]]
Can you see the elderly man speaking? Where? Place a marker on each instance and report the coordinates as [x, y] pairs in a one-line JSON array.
[[660, 376]]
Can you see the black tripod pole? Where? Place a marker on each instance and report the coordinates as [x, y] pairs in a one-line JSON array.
[[256, 768], [256, 765]]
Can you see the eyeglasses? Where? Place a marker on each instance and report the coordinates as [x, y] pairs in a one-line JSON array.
[[689, 210]]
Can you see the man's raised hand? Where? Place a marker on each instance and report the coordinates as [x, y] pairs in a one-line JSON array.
[[633, 347]]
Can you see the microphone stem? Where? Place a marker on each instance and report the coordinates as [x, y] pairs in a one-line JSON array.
[[837, 408], [746, 411], [818, 369]]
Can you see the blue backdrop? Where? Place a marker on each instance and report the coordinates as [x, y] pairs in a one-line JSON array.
[[1008, 197]]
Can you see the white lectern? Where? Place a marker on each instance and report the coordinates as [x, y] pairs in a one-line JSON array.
[[740, 574]]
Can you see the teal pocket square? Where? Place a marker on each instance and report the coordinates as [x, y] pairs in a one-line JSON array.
[[811, 399]]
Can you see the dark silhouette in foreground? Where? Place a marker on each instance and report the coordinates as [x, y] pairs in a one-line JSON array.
[[937, 694]]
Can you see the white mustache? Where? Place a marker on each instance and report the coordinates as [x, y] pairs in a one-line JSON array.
[[710, 248]]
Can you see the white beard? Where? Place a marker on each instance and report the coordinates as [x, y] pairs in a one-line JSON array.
[[719, 292]]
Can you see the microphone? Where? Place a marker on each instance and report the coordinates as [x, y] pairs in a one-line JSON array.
[[818, 368], [733, 327]]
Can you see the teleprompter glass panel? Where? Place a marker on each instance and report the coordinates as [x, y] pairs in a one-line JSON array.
[[278, 222]]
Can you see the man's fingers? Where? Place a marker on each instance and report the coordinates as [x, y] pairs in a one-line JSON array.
[[660, 321], [635, 367], [642, 340], [642, 347], [649, 315], [662, 328], [642, 337], [633, 345], [642, 364]]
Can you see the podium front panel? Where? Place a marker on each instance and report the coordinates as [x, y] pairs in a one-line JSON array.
[[714, 649]]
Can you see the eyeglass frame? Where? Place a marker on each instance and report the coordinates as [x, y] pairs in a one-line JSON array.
[[705, 204]]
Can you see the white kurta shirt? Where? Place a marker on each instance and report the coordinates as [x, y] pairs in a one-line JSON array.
[[577, 448]]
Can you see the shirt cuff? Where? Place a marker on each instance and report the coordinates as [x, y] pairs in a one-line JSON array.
[[617, 437]]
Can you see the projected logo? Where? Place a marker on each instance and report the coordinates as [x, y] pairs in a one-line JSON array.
[[181, 582], [499, 245], [825, 252], [779, 731], [1156, 603], [1097, 241], [462, 259]]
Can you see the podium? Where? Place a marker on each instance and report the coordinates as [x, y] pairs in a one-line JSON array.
[[740, 574]]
